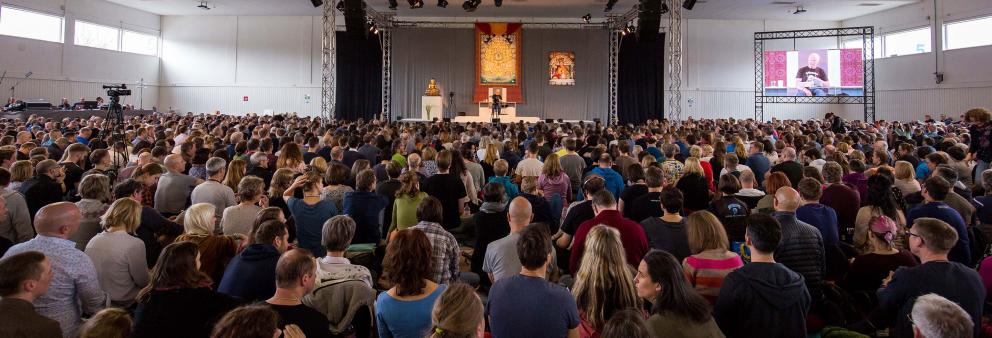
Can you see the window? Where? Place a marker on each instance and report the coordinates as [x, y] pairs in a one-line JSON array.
[[969, 33], [859, 43], [32, 25], [96, 36], [908, 42], [140, 43]]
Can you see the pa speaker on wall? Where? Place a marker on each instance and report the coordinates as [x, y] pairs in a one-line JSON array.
[[648, 20], [317, 3], [354, 19]]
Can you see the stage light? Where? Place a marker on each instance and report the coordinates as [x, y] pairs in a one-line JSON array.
[[609, 5], [664, 8], [688, 4], [317, 3], [392, 5], [587, 17], [414, 4], [799, 10], [340, 5], [442, 3], [471, 5], [498, 3]]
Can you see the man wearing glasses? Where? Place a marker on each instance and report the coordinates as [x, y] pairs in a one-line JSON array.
[[930, 240]]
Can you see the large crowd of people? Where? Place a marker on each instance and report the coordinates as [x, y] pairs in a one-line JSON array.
[[266, 226]]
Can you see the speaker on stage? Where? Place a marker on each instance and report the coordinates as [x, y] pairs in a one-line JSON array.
[[648, 20], [354, 19]]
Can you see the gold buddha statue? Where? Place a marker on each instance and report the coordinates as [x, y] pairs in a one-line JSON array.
[[432, 89]]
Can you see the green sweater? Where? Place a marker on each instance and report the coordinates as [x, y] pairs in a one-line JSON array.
[[405, 211]]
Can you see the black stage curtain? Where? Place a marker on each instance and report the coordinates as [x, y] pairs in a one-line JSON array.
[[641, 82], [359, 77]]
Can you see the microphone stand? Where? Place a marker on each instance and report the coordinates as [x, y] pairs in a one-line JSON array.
[[28, 75]]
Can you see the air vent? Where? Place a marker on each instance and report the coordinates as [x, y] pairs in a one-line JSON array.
[[783, 3], [869, 4]]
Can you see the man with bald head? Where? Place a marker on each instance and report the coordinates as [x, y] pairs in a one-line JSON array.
[[801, 248], [174, 187], [74, 289], [45, 187], [501, 255], [789, 166]]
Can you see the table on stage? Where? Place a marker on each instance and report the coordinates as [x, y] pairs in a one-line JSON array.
[[507, 114]]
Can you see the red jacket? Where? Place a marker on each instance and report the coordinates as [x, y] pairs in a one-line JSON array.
[[635, 243]]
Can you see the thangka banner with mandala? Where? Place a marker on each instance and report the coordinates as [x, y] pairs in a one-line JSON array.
[[497, 60]]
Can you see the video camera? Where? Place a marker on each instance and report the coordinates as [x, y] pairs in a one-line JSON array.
[[117, 91]]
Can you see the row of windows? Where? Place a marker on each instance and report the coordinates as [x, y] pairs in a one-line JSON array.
[[47, 27], [960, 34]]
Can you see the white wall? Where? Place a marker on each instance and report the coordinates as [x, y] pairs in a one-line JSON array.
[[906, 88], [211, 63], [66, 70]]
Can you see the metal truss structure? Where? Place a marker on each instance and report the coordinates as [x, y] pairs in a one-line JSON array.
[[675, 60], [328, 63], [867, 100], [386, 41], [614, 24]]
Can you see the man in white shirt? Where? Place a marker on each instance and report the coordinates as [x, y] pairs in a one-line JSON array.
[[213, 191], [530, 165]]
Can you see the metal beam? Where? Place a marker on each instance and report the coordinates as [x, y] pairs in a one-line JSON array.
[[328, 63]]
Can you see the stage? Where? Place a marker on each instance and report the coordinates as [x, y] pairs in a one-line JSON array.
[[63, 114]]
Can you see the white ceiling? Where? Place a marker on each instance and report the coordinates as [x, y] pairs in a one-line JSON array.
[[832, 10]]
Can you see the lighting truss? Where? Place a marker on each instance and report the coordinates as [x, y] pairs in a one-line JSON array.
[[675, 60], [328, 64]]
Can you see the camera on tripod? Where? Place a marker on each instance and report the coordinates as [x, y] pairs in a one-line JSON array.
[[117, 90]]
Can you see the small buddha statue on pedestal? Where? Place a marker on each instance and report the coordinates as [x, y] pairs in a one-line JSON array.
[[432, 89]]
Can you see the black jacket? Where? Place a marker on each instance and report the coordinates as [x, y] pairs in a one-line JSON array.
[[249, 274], [41, 191], [189, 313], [801, 250], [731, 211], [792, 169], [762, 300]]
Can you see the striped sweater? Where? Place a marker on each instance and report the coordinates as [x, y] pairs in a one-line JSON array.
[[706, 271]]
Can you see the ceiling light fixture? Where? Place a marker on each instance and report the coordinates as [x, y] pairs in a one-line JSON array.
[[471, 5], [587, 17], [442, 3], [414, 4], [498, 3], [609, 5], [392, 5], [799, 10], [317, 3]]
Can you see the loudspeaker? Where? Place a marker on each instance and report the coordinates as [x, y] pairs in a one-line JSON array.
[[354, 19], [549, 121], [688, 4], [317, 3], [648, 20], [447, 120], [495, 121], [461, 113], [399, 118]]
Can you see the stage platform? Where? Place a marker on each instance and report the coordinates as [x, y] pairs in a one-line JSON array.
[[62, 114]]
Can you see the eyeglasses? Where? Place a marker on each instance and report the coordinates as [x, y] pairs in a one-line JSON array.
[[913, 235]]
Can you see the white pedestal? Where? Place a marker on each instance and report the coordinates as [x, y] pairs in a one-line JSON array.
[[437, 107]]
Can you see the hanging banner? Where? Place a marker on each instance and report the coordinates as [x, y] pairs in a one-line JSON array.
[[561, 68], [497, 61]]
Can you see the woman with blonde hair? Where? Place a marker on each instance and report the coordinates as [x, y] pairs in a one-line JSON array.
[[108, 323], [319, 164], [215, 250], [458, 313], [739, 148], [489, 160], [604, 283], [428, 164], [694, 185], [281, 180], [20, 171], [117, 255], [554, 181], [711, 260], [235, 172], [95, 193], [291, 157], [697, 152], [404, 211], [906, 178]]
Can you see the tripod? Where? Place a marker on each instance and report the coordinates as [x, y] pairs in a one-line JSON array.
[[115, 121]]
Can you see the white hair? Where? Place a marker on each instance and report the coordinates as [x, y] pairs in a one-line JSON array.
[[936, 316], [215, 165]]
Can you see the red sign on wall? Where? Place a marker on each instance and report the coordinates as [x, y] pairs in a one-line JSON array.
[[245, 99]]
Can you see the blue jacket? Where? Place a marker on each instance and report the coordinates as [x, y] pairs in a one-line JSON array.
[[759, 165], [823, 218], [614, 182], [961, 252], [365, 208], [250, 274], [512, 191]]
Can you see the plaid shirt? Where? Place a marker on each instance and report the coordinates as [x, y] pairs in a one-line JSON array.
[[444, 252]]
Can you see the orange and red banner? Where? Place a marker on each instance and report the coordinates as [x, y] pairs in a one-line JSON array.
[[497, 60]]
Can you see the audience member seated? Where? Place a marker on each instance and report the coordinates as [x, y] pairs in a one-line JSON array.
[[295, 277], [635, 242], [694, 186], [555, 185], [627, 323], [25, 277], [843, 198], [801, 249], [408, 197], [215, 250], [75, 288], [343, 291], [636, 187], [152, 224], [676, 310], [237, 219], [45, 188], [931, 240], [15, 223], [405, 309], [449, 190], [108, 323], [309, 212], [936, 316], [174, 188], [119, 257], [95, 193], [812, 212], [668, 231], [869, 270], [179, 292], [445, 250], [787, 164], [773, 182], [935, 190], [748, 194], [763, 296], [213, 191], [711, 258], [248, 275], [365, 207], [577, 213], [647, 205], [253, 321], [491, 224], [604, 283], [730, 210], [458, 312]]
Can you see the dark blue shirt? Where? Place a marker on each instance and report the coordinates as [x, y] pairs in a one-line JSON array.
[[309, 221], [961, 252], [759, 165], [365, 208], [522, 306], [249, 274], [614, 182], [823, 218]]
